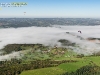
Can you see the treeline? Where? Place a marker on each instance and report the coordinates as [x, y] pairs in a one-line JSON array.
[[18, 47], [44, 22], [15, 66], [86, 70]]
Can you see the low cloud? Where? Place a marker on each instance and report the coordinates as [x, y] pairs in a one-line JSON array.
[[17, 55], [51, 35]]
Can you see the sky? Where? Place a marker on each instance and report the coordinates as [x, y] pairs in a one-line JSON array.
[[52, 9]]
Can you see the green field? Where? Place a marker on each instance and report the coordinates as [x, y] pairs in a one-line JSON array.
[[44, 71], [81, 62], [65, 67]]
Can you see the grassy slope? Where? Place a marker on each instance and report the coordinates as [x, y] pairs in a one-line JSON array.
[[65, 67], [61, 68], [44, 71], [82, 62]]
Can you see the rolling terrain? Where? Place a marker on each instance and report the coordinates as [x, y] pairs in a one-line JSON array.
[[53, 50]]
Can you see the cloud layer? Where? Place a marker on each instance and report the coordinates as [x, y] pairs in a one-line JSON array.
[[50, 36]]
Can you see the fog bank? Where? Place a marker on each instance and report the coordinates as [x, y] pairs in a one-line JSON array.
[[51, 35]]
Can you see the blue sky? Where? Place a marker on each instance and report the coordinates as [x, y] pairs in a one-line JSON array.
[[53, 8]]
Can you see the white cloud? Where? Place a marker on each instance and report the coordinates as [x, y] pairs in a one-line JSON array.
[[50, 36]]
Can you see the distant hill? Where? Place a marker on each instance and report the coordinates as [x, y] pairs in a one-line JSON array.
[[44, 22]]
